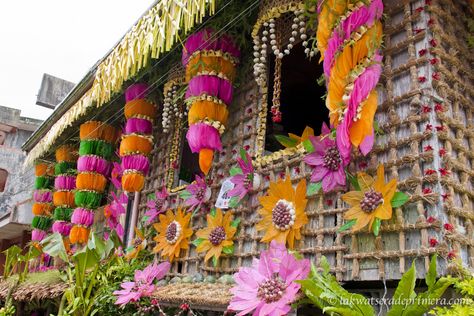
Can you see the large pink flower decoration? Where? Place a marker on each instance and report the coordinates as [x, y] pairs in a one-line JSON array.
[[268, 287], [327, 162], [113, 211], [116, 175], [196, 194], [243, 177], [156, 206], [143, 284]]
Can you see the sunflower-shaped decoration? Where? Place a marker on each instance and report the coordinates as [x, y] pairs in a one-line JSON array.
[[139, 243], [217, 236], [173, 233], [283, 212], [372, 202]]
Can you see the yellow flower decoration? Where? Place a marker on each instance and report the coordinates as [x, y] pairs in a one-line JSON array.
[[139, 243], [373, 202], [217, 236], [173, 233], [283, 212], [294, 140]]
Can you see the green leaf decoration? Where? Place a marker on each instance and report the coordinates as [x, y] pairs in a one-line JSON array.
[[151, 196], [196, 242], [347, 225], [377, 129], [235, 170], [353, 180], [213, 212], [308, 146], [215, 260], [235, 223], [145, 218], [376, 226], [313, 188], [286, 141], [399, 199], [234, 201], [404, 292], [185, 195], [228, 250], [53, 245], [243, 155]]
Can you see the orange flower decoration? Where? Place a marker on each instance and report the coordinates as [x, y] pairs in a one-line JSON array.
[[283, 212], [139, 244], [173, 233], [217, 236], [372, 202]]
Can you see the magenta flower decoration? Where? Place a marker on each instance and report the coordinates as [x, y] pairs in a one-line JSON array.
[[156, 206], [327, 162], [268, 287], [116, 175], [243, 176], [143, 283], [113, 211], [196, 194]]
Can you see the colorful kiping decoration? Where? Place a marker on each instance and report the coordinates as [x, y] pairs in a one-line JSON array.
[[244, 178], [210, 62], [95, 150], [137, 140], [64, 186], [349, 38], [43, 201]]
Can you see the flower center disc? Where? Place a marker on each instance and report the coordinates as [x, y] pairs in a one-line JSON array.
[[248, 181], [137, 242], [271, 290], [283, 215], [217, 235], [332, 159], [200, 194], [159, 204], [173, 231], [372, 199]]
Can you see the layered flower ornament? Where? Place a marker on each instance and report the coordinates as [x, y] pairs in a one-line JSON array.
[[174, 233], [283, 212], [196, 194], [43, 198], [210, 61], [137, 139], [64, 185], [139, 243], [349, 38], [217, 237], [326, 161], [157, 205], [113, 211], [95, 150], [268, 287], [372, 201], [243, 177]]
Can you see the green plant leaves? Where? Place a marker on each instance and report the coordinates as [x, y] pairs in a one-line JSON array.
[[404, 292], [313, 188], [347, 225], [431, 275], [53, 245], [286, 141], [399, 199]]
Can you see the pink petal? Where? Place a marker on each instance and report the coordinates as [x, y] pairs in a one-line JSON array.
[[319, 173]]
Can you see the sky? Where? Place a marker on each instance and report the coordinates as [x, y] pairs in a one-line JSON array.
[[63, 38]]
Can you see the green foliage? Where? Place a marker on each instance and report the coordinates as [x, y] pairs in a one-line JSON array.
[[308, 146], [313, 188], [399, 199], [286, 141]]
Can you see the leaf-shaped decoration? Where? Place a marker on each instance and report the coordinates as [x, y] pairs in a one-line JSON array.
[[347, 225], [286, 141], [399, 199], [313, 188]]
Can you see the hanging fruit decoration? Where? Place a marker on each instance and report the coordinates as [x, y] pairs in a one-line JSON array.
[[210, 60], [64, 185], [93, 166], [137, 140], [349, 38], [43, 198]]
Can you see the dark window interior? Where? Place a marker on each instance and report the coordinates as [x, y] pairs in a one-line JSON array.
[[3, 179], [301, 97], [189, 165]]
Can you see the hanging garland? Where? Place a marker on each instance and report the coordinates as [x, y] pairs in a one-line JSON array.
[[349, 38], [137, 141], [43, 198], [95, 150], [64, 185], [210, 62]]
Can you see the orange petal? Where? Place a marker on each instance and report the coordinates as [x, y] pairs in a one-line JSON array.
[[389, 190], [365, 181], [363, 127], [354, 212], [384, 211], [204, 246], [362, 221], [380, 180], [353, 197], [206, 156]]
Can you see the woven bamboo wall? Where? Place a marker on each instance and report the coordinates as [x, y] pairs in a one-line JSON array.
[[402, 148]]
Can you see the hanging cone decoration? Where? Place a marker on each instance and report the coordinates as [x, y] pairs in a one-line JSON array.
[[137, 139], [93, 166], [349, 38], [210, 62], [43, 198], [64, 186]]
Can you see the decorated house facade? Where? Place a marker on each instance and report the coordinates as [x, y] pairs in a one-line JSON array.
[[341, 129]]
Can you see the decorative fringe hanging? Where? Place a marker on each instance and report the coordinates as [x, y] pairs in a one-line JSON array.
[[210, 62], [349, 38], [64, 185], [137, 141], [96, 148], [43, 198]]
